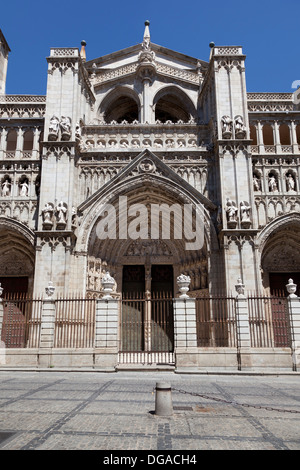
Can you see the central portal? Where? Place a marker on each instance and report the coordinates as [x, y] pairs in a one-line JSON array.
[[147, 309], [157, 279]]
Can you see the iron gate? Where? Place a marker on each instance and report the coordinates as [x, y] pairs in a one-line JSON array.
[[147, 329]]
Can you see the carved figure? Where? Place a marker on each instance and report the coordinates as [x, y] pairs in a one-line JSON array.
[[240, 128], [65, 126], [245, 211], [290, 183], [53, 128], [6, 188], [226, 127], [272, 183], [231, 210], [47, 214], [256, 183], [61, 214], [24, 188]]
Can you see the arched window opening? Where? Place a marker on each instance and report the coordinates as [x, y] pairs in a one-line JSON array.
[[298, 133], [28, 140], [171, 108], [253, 135], [284, 132], [268, 135], [11, 141], [123, 108]]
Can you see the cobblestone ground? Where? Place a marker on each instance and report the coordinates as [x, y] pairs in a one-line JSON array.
[[87, 411]]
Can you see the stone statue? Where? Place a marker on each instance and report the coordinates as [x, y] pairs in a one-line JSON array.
[[272, 183], [53, 128], [256, 183], [24, 188], [6, 188], [61, 215], [231, 211], [290, 182], [240, 128], [226, 127], [245, 214], [65, 126], [47, 214]]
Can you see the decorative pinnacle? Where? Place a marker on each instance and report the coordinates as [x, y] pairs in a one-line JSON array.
[[82, 52], [147, 32]]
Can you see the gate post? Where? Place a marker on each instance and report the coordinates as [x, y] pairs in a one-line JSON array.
[[106, 334], [185, 332], [294, 311], [243, 330], [47, 327]]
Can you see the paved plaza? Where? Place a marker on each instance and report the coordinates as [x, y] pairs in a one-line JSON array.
[[116, 411]]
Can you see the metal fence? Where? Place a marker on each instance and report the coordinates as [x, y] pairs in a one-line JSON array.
[[269, 321], [21, 322], [147, 324], [75, 323], [216, 322]]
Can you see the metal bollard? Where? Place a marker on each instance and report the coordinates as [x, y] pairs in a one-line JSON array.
[[163, 399]]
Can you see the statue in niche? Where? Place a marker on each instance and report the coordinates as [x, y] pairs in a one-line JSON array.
[[61, 215], [53, 128], [290, 182], [6, 188], [245, 214], [256, 183], [226, 127], [24, 188], [65, 126], [240, 128], [272, 183], [47, 214], [231, 211]]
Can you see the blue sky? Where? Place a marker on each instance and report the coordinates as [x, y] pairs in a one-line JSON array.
[[267, 30]]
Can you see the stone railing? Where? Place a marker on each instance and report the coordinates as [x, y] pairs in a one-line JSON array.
[[179, 137]]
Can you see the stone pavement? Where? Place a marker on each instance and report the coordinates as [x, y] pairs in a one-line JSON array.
[[115, 411]]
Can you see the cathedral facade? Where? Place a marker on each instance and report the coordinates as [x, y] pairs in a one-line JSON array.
[[148, 164]]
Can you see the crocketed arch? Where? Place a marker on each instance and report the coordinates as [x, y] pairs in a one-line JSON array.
[[173, 104], [121, 104]]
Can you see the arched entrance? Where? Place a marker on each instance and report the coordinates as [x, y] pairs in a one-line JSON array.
[[280, 258], [17, 258]]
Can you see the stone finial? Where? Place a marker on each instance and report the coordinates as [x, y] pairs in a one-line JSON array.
[[146, 37], [82, 51], [50, 290], [183, 283], [240, 288], [108, 284], [291, 288]]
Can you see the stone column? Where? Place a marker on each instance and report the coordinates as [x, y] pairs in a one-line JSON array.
[[294, 311], [47, 327], [243, 329], [185, 328]]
